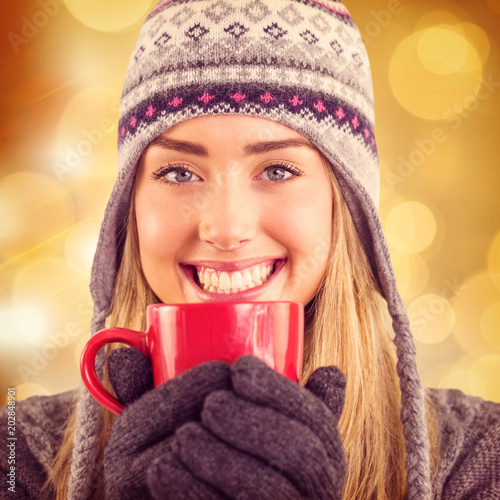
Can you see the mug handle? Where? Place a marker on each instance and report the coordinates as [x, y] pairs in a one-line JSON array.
[[87, 362]]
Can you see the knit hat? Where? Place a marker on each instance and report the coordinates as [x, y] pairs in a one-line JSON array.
[[298, 62]]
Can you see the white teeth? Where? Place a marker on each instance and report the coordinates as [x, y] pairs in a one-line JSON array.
[[224, 281], [207, 276], [256, 275], [237, 281], [247, 277], [263, 272], [215, 280]]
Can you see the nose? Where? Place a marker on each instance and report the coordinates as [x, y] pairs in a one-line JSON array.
[[229, 220]]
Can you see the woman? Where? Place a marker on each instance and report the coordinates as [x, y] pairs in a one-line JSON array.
[[246, 136]]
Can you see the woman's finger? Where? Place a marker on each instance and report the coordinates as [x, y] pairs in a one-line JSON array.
[[256, 382], [169, 479], [236, 473], [275, 439], [158, 413]]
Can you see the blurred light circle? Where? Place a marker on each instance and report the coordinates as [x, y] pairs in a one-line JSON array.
[[23, 324], [34, 208], [472, 298], [442, 51], [477, 37], [411, 272], [420, 276], [80, 246], [490, 325], [487, 368], [434, 18], [110, 15], [442, 91], [57, 287], [411, 227], [465, 381], [86, 137], [79, 348], [403, 270], [25, 391], [431, 318]]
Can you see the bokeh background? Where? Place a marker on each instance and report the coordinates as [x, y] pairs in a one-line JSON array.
[[436, 76]]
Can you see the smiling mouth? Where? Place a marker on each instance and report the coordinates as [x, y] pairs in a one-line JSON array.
[[223, 282]]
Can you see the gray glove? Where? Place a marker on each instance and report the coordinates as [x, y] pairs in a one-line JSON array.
[[145, 428], [267, 438]]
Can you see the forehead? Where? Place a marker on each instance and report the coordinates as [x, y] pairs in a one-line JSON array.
[[248, 135], [237, 126]]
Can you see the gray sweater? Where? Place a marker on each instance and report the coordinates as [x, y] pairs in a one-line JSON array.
[[468, 433]]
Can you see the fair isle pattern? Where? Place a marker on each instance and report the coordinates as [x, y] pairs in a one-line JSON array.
[[229, 42], [334, 6], [231, 101]]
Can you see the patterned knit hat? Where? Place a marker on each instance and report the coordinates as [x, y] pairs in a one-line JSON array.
[[298, 62]]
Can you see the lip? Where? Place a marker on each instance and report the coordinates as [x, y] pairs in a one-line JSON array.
[[247, 295]]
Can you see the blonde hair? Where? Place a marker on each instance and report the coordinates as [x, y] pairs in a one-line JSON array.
[[345, 325]]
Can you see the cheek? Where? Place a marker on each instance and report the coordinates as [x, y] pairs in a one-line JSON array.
[[160, 226], [306, 222], [305, 231]]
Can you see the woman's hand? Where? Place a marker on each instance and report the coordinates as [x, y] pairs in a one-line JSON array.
[[145, 428], [266, 438]]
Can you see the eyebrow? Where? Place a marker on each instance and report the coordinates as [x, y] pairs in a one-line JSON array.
[[181, 146], [250, 149]]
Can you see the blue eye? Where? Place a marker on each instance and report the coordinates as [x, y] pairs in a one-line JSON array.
[[281, 172], [177, 175], [174, 175], [277, 174]]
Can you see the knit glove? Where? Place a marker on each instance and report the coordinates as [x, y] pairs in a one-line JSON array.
[[130, 374], [266, 438], [145, 429]]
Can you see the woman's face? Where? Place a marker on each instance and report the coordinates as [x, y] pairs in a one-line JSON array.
[[233, 208]]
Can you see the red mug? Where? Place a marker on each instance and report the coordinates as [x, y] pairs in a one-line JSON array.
[[182, 336]]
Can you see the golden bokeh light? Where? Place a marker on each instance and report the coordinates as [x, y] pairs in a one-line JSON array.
[[442, 51], [466, 381], [490, 325], [79, 348], [86, 139], [23, 325], [435, 18], [34, 208], [111, 15], [411, 271], [410, 227], [25, 391], [471, 301], [477, 37], [54, 285], [487, 368], [431, 82], [431, 318], [80, 246]]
